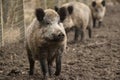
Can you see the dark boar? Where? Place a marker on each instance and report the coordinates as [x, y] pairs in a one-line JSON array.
[[45, 41], [98, 11], [76, 15]]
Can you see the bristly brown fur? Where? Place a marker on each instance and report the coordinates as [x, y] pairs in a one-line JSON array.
[[45, 41]]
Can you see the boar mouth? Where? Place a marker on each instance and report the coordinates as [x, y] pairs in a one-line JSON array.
[[54, 40], [58, 39]]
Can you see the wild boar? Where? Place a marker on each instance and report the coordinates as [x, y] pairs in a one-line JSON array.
[[77, 16], [98, 11], [45, 41]]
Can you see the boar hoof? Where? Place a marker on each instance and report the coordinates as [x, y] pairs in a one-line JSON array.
[[57, 74], [46, 78]]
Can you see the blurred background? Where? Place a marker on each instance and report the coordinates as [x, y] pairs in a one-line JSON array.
[[15, 15], [97, 58]]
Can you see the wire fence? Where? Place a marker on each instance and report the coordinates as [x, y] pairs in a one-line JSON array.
[[11, 22], [15, 15]]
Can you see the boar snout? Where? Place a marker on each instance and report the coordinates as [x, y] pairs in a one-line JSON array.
[[58, 37], [96, 10]]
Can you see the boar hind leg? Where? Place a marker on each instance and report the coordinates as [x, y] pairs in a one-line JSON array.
[[44, 68], [82, 35], [31, 62], [94, 22], [58, 65], [100, 23], [76, 34], [89, 31]]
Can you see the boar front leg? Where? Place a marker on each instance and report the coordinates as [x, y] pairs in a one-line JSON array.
[[44, 68], [58, 61], [100, 23], [50, 64], [31, 62], [58, 65]]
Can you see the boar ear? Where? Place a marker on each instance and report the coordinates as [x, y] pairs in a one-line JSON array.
[[70, 9], [39, 13], [103, 2], [93, 4], [56, 8], [62, 13]]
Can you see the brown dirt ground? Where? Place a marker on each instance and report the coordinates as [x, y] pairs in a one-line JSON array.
[[95, 59]]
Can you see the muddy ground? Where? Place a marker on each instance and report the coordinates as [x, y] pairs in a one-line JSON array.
[[95, 59]]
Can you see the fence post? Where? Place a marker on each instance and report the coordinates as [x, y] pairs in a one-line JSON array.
[[1, 24]]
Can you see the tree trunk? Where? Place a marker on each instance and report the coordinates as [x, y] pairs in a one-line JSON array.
[[43, 4], [57, 3], [1, 24]]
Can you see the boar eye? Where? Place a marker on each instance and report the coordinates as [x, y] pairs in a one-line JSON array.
[[47, 23]]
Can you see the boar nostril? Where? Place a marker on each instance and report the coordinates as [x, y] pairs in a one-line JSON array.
[[58, 37], [96, 10], [61, 35]]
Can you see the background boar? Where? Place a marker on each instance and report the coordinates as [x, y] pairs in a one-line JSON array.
[[78, 16], [98, 11], [45, 41]]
